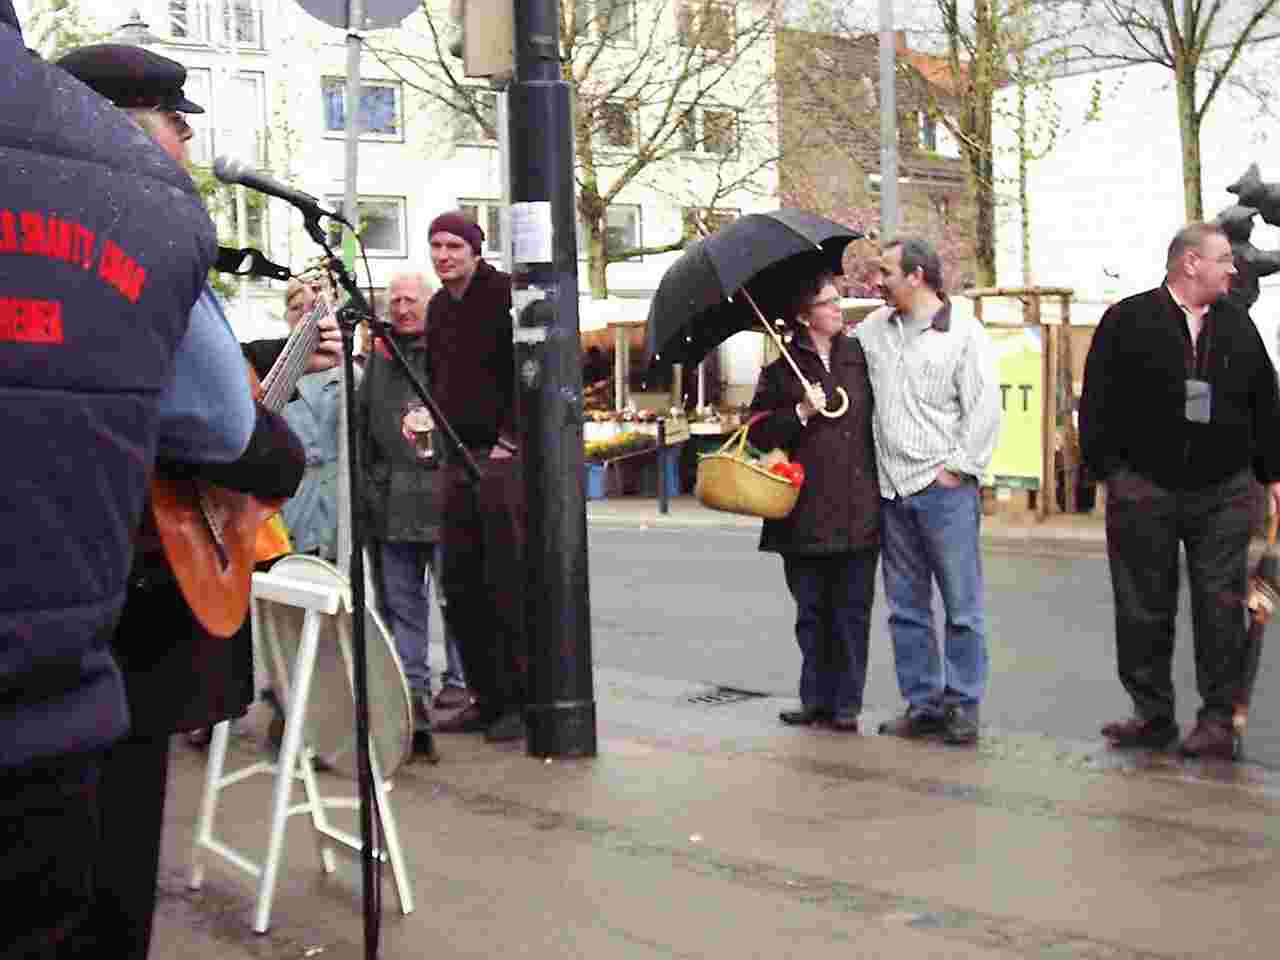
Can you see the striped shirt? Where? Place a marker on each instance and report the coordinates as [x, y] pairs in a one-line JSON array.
[[937, 400]]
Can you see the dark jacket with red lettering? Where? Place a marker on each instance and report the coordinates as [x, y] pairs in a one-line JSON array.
[[85, 348]]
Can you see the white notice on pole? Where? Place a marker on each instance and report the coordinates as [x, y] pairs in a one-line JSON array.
[[531, 232]]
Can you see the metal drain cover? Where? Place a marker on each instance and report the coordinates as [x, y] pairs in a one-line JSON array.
[[716, 696]]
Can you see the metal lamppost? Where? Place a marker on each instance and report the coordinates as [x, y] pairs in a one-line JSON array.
[[561, 711]]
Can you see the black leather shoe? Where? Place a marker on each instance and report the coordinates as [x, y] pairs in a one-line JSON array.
[[470, 719], [845, 721], [424, 745], [1136, 732], [509, 726], [804, 717], [960, 726], [1210, 738], [914, 724]]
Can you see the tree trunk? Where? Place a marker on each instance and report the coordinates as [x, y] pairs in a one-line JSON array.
[[597, 261], [1189, 131], [981, 161], [1024, 200]]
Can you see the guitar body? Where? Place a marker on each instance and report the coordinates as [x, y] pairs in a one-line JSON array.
[[209, 535]]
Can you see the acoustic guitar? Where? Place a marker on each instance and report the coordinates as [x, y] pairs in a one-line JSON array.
[[210, 533]]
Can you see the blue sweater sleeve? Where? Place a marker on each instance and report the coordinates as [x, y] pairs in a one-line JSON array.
[[206, 413]]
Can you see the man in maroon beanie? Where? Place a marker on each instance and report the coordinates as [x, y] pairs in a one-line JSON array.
[[471, 369]]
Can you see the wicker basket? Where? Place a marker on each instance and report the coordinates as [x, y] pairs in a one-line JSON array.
[[726, 481]]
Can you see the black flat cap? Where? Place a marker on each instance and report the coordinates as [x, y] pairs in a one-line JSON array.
[[130, 76]]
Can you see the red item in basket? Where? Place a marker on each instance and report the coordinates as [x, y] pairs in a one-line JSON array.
[[793, 473]]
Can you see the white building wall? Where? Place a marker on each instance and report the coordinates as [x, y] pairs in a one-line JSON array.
[[426, 168]]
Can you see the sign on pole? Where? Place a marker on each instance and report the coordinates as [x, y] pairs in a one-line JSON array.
[[376, 14]]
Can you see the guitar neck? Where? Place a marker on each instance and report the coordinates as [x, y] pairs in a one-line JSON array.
[[279, 383]]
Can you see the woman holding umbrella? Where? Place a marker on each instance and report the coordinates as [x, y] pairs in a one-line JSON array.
[[830, 542]]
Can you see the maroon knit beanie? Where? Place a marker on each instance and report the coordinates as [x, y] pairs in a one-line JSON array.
[[457, 223]]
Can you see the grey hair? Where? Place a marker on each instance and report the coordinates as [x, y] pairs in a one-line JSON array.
[[424, 284]]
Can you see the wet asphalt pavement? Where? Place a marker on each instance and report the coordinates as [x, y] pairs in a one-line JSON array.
[[704, 605]]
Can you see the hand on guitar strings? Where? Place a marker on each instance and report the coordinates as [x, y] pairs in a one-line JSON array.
[[328, 351]]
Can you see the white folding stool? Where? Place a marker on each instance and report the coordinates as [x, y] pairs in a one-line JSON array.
[[273, 594]]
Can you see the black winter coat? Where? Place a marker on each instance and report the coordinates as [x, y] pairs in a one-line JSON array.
[[402, 495], [839, 506], [1133, 405]]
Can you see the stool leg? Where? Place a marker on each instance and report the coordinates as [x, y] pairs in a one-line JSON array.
[[209, 800], [295, 715], [391, 836], [315, 806]]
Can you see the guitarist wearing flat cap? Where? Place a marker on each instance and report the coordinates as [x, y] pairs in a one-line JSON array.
[[180, 673]]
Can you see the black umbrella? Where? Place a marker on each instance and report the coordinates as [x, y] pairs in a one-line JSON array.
[[699, 302]]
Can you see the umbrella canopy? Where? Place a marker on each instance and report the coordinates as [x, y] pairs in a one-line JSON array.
[[766, 253]]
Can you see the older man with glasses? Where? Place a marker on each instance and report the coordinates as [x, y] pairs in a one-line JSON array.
[[1179, 406]]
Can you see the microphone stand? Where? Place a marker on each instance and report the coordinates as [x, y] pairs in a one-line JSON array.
[[350, 315]]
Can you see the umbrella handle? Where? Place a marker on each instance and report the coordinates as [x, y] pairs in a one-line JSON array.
[[1271, 529], [844, 405]]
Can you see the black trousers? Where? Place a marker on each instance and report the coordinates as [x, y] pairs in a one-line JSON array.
[[131, 793], [1145, 525], [484, 581], [48, 836]]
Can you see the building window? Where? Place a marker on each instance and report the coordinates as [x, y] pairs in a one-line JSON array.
[[246, 101], [236, 22], [696, 220], [710, 131], [256, 232], [614, 20], [379, 116], [380, 224], [242, 100], [487, 213], [622, 228], [705, 23], [616, 128], [199, 89], [242, 23], [468, 129], [189, 20], [622, 231]]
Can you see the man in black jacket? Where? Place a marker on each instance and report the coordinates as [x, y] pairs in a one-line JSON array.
[[1180, 402]]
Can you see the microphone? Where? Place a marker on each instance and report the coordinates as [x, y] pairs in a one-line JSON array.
[[229, 170]]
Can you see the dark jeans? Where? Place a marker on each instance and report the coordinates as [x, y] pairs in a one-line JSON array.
[[1145, 524], [484, 580], [833, 597], [48, 835]]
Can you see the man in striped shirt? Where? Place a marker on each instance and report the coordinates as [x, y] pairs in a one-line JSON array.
[[937, 413]]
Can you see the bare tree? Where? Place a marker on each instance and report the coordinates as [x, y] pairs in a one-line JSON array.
[[1202, 42], [675, 95], [967, 52], [54, 27]]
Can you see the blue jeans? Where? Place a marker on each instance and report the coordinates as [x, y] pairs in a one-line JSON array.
[[933, 535], [405, 604], [833, 595]]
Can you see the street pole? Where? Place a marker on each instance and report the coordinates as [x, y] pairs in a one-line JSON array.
[[888, 125], [350, 209], [561, 710]]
